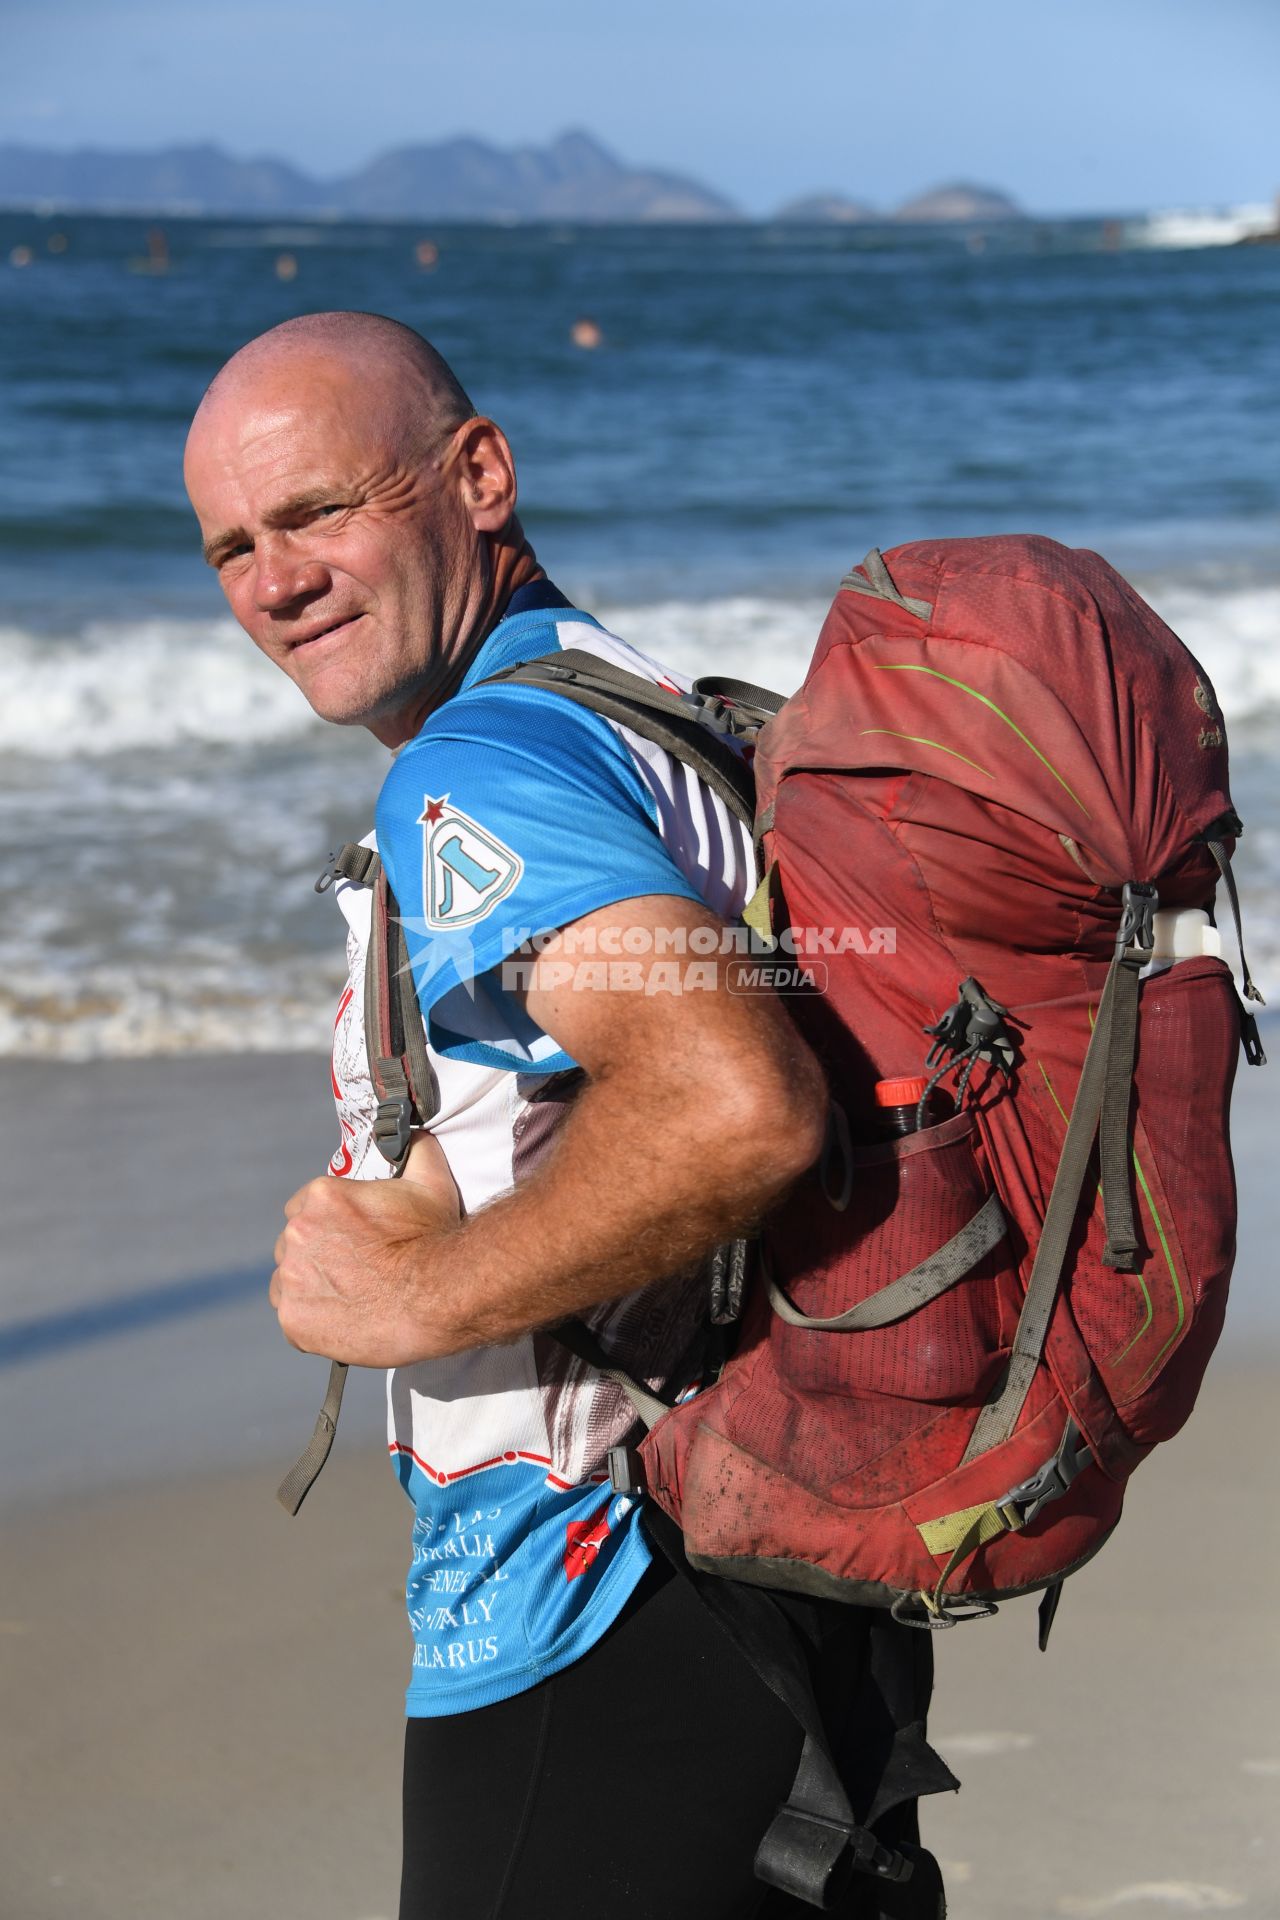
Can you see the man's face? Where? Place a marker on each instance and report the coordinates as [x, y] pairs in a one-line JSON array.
[[341, 542]]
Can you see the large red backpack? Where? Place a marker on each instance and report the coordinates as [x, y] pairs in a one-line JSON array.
[[1007, 767], [998, 798]]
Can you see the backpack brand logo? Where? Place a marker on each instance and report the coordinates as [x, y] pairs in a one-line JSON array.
[[465, 870], [1211, 736]]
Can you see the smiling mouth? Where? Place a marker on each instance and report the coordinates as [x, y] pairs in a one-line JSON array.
[[309, 640]]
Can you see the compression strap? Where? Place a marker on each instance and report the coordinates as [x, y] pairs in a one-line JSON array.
[[1108, 1066], [910, 1291]]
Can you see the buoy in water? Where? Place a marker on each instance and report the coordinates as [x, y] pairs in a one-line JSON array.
[[427, 254], [157, 256], [586, 333], [286, 266], [20, 257]]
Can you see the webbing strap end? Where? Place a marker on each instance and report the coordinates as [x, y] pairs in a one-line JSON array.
[[812, 1858], [1252, 1039]]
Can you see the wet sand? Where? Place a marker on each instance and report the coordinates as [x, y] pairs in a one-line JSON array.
[[203, 1697]]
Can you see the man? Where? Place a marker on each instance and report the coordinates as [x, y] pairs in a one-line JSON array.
[[581, 1739]]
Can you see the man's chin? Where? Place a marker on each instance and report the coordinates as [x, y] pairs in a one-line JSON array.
[[332, 697], [340, 712], [335, 697]]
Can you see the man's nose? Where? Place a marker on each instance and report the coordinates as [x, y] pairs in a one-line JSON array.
[[284, 576]]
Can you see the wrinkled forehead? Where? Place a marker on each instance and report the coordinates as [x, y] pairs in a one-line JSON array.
[[323, 406], [284, 434]]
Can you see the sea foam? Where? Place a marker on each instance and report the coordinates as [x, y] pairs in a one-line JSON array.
[[126, 686], [155, 683]]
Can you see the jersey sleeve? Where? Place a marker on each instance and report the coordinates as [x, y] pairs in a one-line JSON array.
[[512, 814]]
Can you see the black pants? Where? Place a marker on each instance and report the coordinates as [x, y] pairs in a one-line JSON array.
[[636, 1785]]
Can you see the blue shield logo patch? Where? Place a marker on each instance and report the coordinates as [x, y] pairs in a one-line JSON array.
[[466, 871]]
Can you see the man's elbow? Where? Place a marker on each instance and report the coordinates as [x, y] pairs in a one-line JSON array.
[[776, 1117], [799, 1107]]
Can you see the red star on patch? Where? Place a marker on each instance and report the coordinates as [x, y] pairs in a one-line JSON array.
[[432, 812], [583, 1540]]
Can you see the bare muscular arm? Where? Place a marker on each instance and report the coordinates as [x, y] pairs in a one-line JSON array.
[[700, 1108]]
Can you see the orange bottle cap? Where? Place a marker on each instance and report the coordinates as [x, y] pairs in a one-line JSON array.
[[900, 1093]]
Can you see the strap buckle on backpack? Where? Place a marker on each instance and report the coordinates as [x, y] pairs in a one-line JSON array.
[[962, 1533], [350, 862], [1136, 938], [393, 1127], [1022, 1503]]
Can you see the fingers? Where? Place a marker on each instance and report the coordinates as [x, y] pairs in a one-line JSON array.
[[296, 1202], [276, 1295]]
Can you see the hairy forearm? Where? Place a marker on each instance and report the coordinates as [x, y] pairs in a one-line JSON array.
[[605, 1213]]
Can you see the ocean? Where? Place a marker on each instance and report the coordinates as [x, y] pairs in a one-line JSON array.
[[766, 405]]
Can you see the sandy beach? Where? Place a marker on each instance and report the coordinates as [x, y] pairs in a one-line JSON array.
[[203, 1697]]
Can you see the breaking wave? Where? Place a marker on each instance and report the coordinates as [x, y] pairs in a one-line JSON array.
[[121, 687], [125, 687], [174, 743]]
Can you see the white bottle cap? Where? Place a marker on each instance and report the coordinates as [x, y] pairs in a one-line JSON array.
[[1184, 933]]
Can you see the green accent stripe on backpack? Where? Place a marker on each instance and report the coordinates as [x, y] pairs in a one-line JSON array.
[[913, 667], [918, 739]]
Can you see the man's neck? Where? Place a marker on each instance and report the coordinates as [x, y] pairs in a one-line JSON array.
[[508, 563], [514, 565]]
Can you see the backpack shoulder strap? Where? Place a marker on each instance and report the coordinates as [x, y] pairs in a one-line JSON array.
[[756, 704], [694, 728], [403, 1079], [402, 1075], [395, 1044]]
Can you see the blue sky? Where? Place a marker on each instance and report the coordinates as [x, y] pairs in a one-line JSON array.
[[1067, 104]]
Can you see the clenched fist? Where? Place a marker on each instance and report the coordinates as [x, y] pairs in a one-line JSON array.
[[359, 1263]]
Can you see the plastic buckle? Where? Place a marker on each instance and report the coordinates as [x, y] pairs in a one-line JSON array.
[[1022, 1503], [625, 1472], [720, 717], [1137, 921], [885, 1863], [393, 1128], [350, 862]]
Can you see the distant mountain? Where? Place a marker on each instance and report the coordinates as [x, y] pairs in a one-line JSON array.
[[959, 201], [574, 178], [193, 179], [819, 209]]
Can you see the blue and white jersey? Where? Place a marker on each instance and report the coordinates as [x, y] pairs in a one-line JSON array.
[[513, 813]]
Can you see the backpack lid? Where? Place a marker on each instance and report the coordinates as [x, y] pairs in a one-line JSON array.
[[1030, 674]]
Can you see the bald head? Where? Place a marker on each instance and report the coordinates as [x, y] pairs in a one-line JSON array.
[[358, 511], [378, 355]]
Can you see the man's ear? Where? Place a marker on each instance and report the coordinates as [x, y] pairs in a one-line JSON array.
[[485, 474]]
